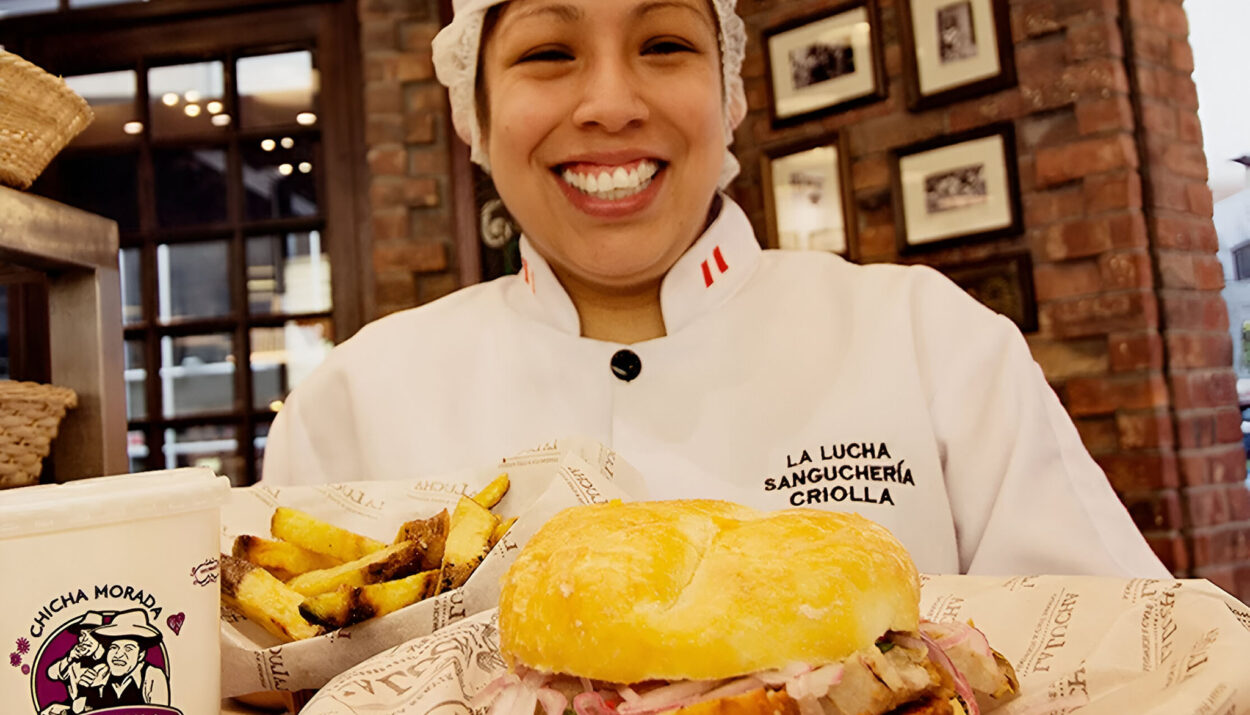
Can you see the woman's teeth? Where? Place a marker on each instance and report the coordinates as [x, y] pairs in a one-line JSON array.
[[611, 185]]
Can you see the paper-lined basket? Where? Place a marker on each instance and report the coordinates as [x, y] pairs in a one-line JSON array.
[[544, 481]]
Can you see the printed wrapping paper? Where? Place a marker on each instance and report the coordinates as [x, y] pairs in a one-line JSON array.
[[544, 480], [1095, 646]]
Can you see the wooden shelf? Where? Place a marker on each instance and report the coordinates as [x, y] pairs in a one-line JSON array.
[[77, 251]]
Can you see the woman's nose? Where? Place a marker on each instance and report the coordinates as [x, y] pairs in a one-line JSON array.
[[611, 97]]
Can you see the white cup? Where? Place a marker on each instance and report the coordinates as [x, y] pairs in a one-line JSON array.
[[109, 595]]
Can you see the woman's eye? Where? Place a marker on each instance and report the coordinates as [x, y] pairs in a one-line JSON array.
[[666, 47], [546, 54]]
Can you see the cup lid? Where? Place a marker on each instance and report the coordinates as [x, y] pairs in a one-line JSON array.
[[109, 500]]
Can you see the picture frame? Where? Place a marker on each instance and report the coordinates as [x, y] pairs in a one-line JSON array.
[[807, 195], [823, 63], [955, 49], [958, 188], [1003, 284]]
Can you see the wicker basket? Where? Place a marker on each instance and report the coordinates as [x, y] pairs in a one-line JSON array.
[[29, 416], [39, 115]]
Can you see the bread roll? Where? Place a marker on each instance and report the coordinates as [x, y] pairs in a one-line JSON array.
[[698, 590]]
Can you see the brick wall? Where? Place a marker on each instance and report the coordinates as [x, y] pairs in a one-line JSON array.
[[1133, 331], [406, 137]]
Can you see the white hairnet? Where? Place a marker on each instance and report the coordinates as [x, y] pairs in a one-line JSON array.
[[455, 61]]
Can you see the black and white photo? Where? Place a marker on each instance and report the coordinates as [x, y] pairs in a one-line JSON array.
[[958, 188], [821, 64], [957, 36], [806, 196], [955, 188], [955, 50]]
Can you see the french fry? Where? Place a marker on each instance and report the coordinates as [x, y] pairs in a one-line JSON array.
[[254, 592], [281, 558], [394, 561], [315, 535], [493, 492], [500, 530], [468, 540], [431, 534], [347, 605]]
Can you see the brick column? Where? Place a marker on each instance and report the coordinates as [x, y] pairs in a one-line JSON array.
[[1214, 505], [406, 138]]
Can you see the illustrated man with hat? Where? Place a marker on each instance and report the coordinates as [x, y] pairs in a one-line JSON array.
[[131, 680], [83, 667]]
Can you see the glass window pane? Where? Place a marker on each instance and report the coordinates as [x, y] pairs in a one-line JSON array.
[[136, 381], [13, 8], [277, 90], [288, 274], [283, 357], [279, 177], [192, 280], [103, 184], [137, 450], [187, 100], [190, 186], [212, 446], [130, 265], [258, 443], [112, 99], [197, 374]]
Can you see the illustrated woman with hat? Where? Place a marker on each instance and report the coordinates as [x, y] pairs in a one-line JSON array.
[[131, 680], [647, 316], [82, 668]]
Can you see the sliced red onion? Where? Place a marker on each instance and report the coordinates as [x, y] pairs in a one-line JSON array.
[[733, 688], [782, 676], [553, 701], [949, 634], [493, 688], [506, 701], [627, 694], [591, 703], [943, 661], [668, 697]]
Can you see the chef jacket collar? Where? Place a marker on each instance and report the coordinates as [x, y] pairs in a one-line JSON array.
[[714, 268]]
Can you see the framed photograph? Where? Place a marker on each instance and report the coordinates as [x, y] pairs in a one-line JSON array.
[[963, 187], [824, 63], [807, 196], [1004, 284], [955, 49]]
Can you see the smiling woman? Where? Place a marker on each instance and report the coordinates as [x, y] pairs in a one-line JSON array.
[[647, 316]]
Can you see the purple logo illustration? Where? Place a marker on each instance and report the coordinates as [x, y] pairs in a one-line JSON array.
[[104, 662], [205, 573]]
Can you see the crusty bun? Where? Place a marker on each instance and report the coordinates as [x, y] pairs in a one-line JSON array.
[[699, 590]]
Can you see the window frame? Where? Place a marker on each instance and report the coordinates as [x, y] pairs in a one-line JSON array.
[[142, 35]]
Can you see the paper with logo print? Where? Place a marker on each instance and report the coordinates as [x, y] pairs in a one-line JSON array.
[[1095, 646], [544, 480]]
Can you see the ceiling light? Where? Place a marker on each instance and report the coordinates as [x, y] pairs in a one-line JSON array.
[[220, 120], [285, 169], [305, 167], [170, 99], [306, 119], [191, 96], [192, 110], [214, 107], [287, 142], [268, 144], [133, 127]]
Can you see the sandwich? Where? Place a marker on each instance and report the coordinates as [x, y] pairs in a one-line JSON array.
[[704, 607]]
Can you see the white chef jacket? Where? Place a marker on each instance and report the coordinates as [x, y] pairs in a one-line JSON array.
[[785, 379]]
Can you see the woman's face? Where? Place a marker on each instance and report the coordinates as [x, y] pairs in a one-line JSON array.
[[606, 137]]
